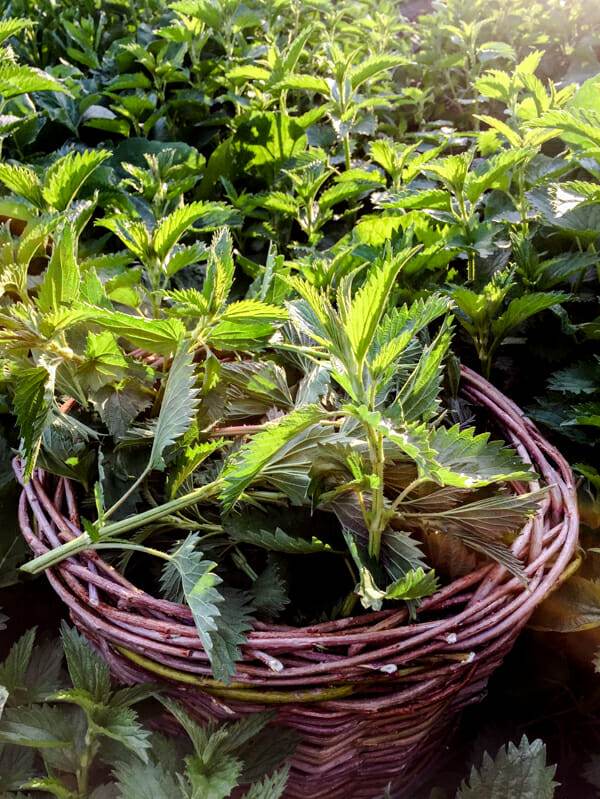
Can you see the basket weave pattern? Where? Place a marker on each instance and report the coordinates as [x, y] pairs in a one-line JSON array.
[[372, 696]]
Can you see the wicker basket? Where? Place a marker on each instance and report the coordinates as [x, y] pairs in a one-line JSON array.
[[372, 696]]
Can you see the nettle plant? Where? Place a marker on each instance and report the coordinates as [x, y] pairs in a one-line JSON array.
[[75, 736], [266, 421], [18, 81]]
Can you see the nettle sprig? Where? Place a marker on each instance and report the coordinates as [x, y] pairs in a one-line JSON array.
[[66, 335], [343, 414], [342, 92]]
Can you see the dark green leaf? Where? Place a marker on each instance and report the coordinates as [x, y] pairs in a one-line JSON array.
[[517, 771]]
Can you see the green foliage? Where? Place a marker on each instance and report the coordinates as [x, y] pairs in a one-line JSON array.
[[238, 318], [286, 438], [178, 407], [380, 418], [34, 393], [213, 769], [221, 622], [518, 771], [63, 740]]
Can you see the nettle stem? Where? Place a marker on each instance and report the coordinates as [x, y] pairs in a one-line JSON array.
[[347, 151], [85, 541], [471, 267], [86, 760], [377, 517]]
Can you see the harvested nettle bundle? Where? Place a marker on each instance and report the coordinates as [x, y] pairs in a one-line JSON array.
[[302, 464]]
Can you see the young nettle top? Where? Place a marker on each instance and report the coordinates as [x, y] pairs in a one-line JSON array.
[[338, 411]]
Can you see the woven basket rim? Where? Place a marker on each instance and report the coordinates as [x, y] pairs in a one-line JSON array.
[[159, 636]]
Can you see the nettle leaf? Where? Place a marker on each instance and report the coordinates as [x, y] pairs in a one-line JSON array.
[[451, 170], [427, 199], [10, 27], [13, 670], [281, 203], [495, 172], [17, 79], [105, 362], [132, 232], [44, 672], [184, 255], [67, 175], [161, 336], [220, 270], [418, 397], [280, 454], [120, 724], [413, 440], [234, 624], [583, 378], [270, 787], [17, 765], [467, 460], [255, 387], [400, 326], [561, 268], [451, 556], [269, 591], [517, 771], [314, 316], [170, 229], [416, 584], [245, 325], [362, 315], [10, 123], [188, 461], [62, 279], [244, 335], [489, 547], [400, 554], [309, 83], [143, 780], [573, 607], [248, 72], [188, 575], [577, 126], [178, 407], [119, 405], [372, 67], [87, 670], [39, 726], [253, 311], [247, 529], [315, 385], [493, 516], [512, 136], [522, 308], [30, 673], [267, 751], [482, 524], [33, 402], [215, 779], [24, 181]]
